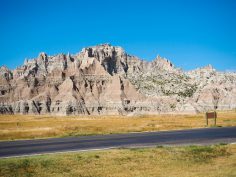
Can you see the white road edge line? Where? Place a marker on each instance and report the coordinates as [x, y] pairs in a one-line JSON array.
[[79, 150], [82, 150], [59, 152]]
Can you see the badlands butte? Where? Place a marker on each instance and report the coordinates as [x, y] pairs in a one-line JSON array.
[[106, 80]]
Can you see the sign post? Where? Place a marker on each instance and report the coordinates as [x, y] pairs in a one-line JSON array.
[[211, 115]]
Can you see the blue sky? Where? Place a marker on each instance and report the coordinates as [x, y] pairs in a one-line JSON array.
[[190, 33]]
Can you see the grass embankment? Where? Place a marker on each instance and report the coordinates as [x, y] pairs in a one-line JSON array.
[[27, 127], [190, 161]]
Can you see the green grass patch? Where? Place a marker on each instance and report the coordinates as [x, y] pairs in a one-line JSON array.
[[195, 161]]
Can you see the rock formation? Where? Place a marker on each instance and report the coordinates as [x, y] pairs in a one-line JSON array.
[[106, 80]]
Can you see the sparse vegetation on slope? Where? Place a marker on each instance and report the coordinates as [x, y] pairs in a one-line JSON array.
[[105, 80]]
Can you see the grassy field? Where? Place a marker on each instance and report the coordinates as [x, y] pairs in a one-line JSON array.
[[189, 161], [29, 127]]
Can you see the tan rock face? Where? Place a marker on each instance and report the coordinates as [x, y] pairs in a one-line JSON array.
[[105, 80]]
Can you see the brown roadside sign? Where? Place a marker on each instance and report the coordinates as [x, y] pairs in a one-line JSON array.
[[211, 115]]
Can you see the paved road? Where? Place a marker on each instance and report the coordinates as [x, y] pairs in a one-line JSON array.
[[180, 137]]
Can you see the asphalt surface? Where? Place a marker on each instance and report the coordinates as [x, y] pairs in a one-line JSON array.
[[203, 136]]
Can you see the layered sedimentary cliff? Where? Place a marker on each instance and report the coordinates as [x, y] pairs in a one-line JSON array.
[[106, 80]]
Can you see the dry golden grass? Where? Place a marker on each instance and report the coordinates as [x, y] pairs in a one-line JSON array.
[[190, 161], [27, 127]]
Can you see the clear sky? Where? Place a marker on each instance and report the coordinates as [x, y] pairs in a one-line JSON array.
[[190, 33]]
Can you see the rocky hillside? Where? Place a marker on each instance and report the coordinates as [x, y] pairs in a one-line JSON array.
[[106, 80]]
